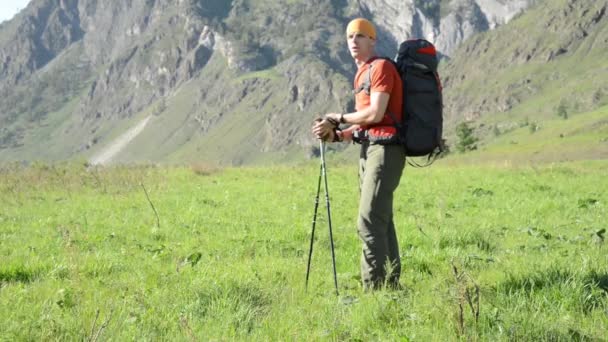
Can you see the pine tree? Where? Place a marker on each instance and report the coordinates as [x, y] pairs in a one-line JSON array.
[[562, 110], [466, 140], [496, 131]]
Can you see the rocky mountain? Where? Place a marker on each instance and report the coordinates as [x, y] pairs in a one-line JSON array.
[[230, 81], [557, 54], [445, 23]]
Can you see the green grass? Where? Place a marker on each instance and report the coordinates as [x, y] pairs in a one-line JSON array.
[[228, 257], [582, 136]]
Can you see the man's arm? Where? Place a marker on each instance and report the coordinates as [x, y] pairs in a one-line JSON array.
[[370, 115]]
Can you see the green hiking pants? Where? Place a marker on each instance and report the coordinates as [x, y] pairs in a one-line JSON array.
[[380, 169]]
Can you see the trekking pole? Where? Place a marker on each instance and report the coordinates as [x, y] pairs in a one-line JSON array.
[[331, 237], [322, 173], [314, 223]]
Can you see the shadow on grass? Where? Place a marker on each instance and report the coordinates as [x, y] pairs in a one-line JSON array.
[[590, 289], [240, 306], [19, 274], [465, 240], [599, 279], [542, 334]]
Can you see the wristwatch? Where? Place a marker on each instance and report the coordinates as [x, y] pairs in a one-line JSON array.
[[342, 118]]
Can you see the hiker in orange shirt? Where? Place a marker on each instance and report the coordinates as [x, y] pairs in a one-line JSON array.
[[378, 103]]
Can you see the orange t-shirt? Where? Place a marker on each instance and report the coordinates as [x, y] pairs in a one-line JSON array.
[[385, 79]]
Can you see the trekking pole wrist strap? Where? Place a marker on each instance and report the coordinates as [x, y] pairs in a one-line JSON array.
[[333, 122], [338, 137]]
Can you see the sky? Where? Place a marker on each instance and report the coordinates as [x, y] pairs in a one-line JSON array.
[[8, 8]]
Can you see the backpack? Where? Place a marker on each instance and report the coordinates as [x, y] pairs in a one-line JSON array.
[[422, 127]]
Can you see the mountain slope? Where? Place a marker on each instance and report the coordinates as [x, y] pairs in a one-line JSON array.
[[226, 81], [581, 137], [556, 52]]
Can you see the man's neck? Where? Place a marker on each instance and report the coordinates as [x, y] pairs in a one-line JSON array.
[[361, 62]]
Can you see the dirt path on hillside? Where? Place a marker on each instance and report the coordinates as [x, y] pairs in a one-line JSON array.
[[105, 155]]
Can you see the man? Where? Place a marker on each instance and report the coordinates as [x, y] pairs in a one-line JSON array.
[[378, 102]]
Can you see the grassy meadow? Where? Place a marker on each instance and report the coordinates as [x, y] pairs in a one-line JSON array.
[[489, 252]]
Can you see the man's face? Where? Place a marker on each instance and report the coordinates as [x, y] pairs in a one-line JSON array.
[[361, 47]]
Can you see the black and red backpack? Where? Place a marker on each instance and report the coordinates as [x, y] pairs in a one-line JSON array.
[[422, 126]]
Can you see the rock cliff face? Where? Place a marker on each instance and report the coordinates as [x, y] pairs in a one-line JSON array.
[[75, 73], [560, 46], [469, 17], [445, 23], [31, 41]]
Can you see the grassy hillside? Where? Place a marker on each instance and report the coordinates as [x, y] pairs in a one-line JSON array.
[[553, 54], [248, 123], [532, 140], [84, 256]]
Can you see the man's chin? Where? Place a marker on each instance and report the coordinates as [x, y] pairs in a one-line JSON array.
[[355, 55], [359, 57]]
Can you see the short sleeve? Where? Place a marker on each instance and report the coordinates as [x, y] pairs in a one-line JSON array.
[[382, 77]]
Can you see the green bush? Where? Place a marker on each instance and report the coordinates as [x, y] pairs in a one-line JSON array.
[[466, 140], [562, 110]]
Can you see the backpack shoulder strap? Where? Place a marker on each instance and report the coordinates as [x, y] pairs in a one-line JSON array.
[[367, 85]]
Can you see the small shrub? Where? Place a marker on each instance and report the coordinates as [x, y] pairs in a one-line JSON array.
[[496, 131], [562, 110], [533, 127], [466, 140], [203, 169], [598, 97]]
